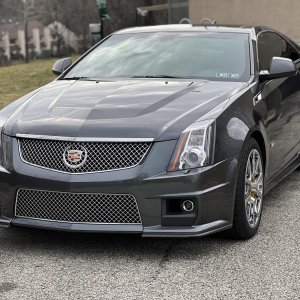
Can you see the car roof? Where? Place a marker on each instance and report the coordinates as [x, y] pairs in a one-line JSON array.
[[253, 30]]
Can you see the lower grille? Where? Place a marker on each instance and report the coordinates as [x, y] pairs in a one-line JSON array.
[[77, 207]]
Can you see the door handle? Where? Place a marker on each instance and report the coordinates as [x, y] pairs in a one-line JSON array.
[[257, 98]]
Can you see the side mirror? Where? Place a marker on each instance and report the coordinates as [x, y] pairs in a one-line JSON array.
[[61, 65], [279, 68]]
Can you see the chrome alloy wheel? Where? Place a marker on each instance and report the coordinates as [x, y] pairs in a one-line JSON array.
[[254, 182]]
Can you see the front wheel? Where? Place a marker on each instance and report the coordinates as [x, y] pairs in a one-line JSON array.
[[249, 192]]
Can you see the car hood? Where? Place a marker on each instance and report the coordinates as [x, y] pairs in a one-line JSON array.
[[118, 109]]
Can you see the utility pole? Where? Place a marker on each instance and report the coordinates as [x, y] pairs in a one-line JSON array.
[[102, 15], [102, 28], [170, 11]]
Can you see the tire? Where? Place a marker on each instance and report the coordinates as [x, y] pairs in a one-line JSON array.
[[248, 201]]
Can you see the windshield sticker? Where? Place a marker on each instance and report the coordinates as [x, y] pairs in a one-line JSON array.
[[227, 75]]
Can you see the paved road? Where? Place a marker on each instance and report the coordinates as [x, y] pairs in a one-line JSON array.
[[36, 264]]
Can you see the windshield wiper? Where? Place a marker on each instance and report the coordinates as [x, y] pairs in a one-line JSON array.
[[156, 76], [74, 78]]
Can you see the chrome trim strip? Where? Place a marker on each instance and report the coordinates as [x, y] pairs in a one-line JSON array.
[[17, 216], [83, 173], [82, 139]]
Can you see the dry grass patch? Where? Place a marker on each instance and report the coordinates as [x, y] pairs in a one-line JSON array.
[[18, 80]]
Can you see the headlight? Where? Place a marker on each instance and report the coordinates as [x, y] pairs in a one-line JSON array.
[[194, 148], [2, 121]]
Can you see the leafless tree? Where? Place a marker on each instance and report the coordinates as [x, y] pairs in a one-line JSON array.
[[74, 14]]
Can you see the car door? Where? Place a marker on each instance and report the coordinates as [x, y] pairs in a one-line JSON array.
[[282, 101]]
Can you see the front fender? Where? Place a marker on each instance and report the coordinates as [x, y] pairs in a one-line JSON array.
[[237, 124]]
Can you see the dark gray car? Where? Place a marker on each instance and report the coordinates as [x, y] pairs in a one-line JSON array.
[[173, 130]]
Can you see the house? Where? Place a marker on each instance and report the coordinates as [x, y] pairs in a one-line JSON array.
[[43, 41]]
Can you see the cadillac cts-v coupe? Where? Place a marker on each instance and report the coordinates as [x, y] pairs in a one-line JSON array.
[[173, 131]]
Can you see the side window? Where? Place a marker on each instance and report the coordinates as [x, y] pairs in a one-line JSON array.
[[290, 52], [271, 44]]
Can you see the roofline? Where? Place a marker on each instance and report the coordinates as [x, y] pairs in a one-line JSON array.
[[189, 27]]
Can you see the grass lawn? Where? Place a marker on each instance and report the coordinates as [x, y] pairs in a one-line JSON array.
[[18, 80]]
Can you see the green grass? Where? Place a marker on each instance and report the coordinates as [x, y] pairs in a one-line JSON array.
[[18, 80]]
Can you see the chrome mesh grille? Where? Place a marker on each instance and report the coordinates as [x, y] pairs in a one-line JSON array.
[[77, 207], [100, 156]]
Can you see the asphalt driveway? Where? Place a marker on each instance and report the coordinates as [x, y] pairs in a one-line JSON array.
[[50, 265]]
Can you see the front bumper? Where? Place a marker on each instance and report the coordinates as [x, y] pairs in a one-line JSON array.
[[211, 188]]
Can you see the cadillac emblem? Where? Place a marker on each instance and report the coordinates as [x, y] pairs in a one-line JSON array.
[[75, 156]]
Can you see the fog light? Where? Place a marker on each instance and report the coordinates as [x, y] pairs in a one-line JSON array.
[[187, 205]]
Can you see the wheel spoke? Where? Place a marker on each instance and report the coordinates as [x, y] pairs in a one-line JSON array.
[[248, 200], [256, 163], [249, 171], [253, 164], [259, 194], [248, 208], [256, 167], [259, 178], [255, 208], [248, 181], [252, 213]]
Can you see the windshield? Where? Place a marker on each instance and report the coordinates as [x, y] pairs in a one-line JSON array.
[[214, 56]]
